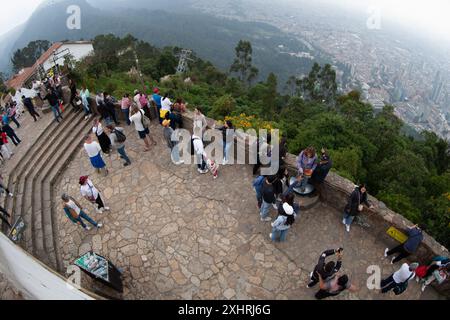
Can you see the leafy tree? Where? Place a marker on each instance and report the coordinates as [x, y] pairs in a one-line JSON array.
[[26, 57], [223, 107], [269, 97], [2, 83], [242, 65]]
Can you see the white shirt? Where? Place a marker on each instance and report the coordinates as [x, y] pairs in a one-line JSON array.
[[73, 206], [403, 274], [98, 130], [166, 104], [92, 149], [137, 101], [198, 146], [89, 190], [137, 120]]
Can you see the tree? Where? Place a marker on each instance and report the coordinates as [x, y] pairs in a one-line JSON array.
[[223, 107], [291, 86], [242, 65], [2, 83], [26, 57], [269, 98]]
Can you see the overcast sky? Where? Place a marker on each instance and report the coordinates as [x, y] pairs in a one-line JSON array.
[[426, 15]]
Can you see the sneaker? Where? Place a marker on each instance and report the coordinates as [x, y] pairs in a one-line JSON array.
[[179, 162], [268, 219], [99, 211], [204, 171], [199, 170], [274, 206], [270, 235], [386, 252], [343, 221], [423, 287], [100, 225], [107, 209], [88, 228], [11, 195], [126, 164], [347, 227], [392, 261]]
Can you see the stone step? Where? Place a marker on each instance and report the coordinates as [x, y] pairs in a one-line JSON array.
[[41, 199], [308, 202], [50, 173], [23, 183]]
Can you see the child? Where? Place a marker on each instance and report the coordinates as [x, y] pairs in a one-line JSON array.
[[213, 168], [283, 223]]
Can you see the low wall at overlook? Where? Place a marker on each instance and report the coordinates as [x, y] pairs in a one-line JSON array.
[[335, 192]]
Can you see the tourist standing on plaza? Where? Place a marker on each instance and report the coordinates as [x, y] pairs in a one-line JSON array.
[[3, 188], [399, 279], [4, 216], [157, 100], [173, 145], [227, 140], [75, 213], [289, 198], [268, 198], [142, 124], [355, 205], [334, 286], [73, 95], [323, 168], [99, 99], [200, 123], [11, 134], [118, 138], [326, 270], [110, 107], [125, 106], [5, 149], [53, 100], [28, 103], [11, 111], [91, 194], [199, 152], [258, 184], [103, 139], [166, 105], [262, 150], [136, 98], [283, 223], [143, 101], [415, 237], [85, 99], [94, 150], [306, 164]]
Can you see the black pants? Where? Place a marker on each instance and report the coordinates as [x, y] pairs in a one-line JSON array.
[[33, 113], [13, 118], [112, 113], [14, 138], [322, 294], [430, 270], [4, 216], [99, 202], [399, 249], [314, 280], [388, 284]]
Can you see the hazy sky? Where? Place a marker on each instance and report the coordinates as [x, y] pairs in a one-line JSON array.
[[426, 15]]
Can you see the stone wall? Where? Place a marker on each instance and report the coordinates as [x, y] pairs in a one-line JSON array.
[[335, 192]]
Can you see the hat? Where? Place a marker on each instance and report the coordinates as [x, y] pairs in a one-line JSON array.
[[83, 180], [65, 197], [413, 266], [166, 123], [156, 90], [288, 209]]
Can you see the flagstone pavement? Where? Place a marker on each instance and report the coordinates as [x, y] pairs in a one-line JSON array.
[[181, 235]]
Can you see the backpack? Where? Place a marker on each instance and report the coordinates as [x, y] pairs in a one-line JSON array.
[[144, 119], [121, 137]]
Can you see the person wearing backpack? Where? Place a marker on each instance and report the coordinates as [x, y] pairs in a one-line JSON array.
[[75, 213], [283, 223], [173, 145], [91, 194], [142, 123], [399, 279], [118, 138]]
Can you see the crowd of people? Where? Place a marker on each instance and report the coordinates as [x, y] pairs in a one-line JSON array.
[[274, 192]]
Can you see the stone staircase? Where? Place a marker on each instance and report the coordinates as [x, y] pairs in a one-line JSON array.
[[32, 181]]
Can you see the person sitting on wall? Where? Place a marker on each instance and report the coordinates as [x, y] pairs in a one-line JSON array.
[[306, 164]]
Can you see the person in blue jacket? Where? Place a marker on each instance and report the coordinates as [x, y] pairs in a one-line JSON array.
[[415, 237]]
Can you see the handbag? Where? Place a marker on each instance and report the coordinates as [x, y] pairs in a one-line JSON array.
[[145, 120], [401, 287]]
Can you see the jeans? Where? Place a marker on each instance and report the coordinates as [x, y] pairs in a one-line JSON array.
[[399, 249], [175, 153], [14, 138], [112, 113], [126, 114], [87, 110], [258, 197], [279, 235], [227, 150], [13, 118], [388, 284], [87, 218], [348, 218], [57, 113], [304, 182], [124, 155], [265, 209]]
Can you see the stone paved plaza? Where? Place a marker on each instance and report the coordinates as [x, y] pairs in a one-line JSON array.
[[181, 235]]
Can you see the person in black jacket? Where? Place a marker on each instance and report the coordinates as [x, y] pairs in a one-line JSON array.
[[110, 107], [28, 103], [269, 199], [53, 100], [355, 205], [11, 134], [327, 271], [323, 168], [73, 95]]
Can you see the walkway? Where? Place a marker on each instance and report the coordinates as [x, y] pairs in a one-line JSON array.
[[181, 235]]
